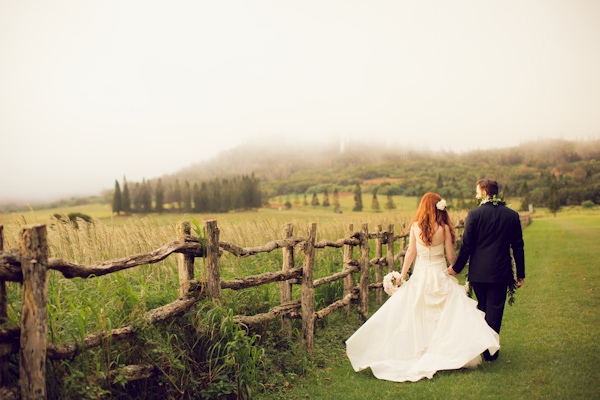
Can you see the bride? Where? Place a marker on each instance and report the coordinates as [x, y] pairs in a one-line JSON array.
[[429, 324]]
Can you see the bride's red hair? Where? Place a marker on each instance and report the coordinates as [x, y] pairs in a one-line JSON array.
[[428, 216]]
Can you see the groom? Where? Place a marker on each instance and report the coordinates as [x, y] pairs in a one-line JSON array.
[[491, 230]]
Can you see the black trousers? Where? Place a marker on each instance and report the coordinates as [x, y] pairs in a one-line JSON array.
[[491, 298]]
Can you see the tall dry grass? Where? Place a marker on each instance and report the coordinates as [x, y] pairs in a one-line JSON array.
[[147, 286], [77, 307]]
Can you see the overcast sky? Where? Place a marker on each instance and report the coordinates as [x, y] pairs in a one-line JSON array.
[[94, 90]]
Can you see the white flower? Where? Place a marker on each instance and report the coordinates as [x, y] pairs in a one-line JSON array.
[[389, 282], [441, 205]]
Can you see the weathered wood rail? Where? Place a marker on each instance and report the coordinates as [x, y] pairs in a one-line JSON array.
[[29, 264]]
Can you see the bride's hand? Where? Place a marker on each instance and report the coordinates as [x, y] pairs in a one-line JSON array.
[[452, 272], [399, 281]]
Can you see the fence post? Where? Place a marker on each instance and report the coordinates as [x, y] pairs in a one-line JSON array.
[[3, 317], [403, 246], [33, 249], [308, 300], [185, 263], [285, 287], [365, 267], [348, 280], [213, 269], [378, 266], [390, 248]]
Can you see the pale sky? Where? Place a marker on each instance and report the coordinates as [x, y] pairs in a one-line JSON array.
[[94, 90]]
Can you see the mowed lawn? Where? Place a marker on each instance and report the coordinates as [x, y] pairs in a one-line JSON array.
[[550, 337]]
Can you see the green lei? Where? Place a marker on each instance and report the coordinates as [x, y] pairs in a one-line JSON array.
[[495, 199]]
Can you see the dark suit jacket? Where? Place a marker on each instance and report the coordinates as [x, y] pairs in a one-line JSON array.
[[490, 232]]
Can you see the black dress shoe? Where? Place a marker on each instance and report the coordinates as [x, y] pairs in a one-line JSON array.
[[488, 357]]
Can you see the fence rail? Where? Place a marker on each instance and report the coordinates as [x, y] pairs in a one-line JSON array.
[[29, 264]]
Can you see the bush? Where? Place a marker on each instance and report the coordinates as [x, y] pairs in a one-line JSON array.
[[588, 204], [73, 217]]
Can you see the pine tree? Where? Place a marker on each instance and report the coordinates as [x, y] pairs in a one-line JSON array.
[[177, 198], [116, 205], [524, 197], [169, 195], [215, 200], [448, 196], [125, 198], [305, 202], [389, 205], [203, 201], [159, 196], [146, 196], [195, 197], [461, 201], [336, 200], [440, 182], [187, 197], [357, 198], [137, 197], [553, 200], [315, 200], [326, 198], [256, 193], [226, 200], [375, 201], [236, 193]]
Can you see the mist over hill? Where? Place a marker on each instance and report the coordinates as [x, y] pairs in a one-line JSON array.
[[280, 161], [294, 170], [286, 168]]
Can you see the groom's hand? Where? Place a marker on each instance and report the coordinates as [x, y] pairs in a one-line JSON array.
[[451, 271], [519, 282]]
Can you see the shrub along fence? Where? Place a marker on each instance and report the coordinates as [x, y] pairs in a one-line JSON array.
[[29, 264]]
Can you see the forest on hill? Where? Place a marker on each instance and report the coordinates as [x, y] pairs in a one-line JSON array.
[[526, 170], [248, 175]]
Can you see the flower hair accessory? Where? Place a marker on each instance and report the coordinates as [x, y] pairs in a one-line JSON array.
[[441, 205], [389, 282]]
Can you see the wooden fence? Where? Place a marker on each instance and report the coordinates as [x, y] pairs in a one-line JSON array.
[[29, 264]]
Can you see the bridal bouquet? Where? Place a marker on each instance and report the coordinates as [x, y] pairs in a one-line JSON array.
[[389, 282]]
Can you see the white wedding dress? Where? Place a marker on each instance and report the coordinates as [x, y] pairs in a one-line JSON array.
[[428, 325]]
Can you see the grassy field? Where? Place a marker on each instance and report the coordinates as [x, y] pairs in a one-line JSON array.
[[102, 212], [77, 307], [550, 336], [82, 306]]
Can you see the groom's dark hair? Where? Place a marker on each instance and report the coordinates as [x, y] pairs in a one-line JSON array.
[[489, 186]]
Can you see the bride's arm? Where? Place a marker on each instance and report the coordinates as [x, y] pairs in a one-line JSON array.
[[450, 253], [449, 246], [411, 253]]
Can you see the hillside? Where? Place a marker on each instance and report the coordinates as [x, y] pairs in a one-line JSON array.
[[291, 170], [287, 168]]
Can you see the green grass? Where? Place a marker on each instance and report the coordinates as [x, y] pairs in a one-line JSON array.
[[550, 347], [78, 307]]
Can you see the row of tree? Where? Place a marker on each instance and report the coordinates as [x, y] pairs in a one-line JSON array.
[[218, 195]]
